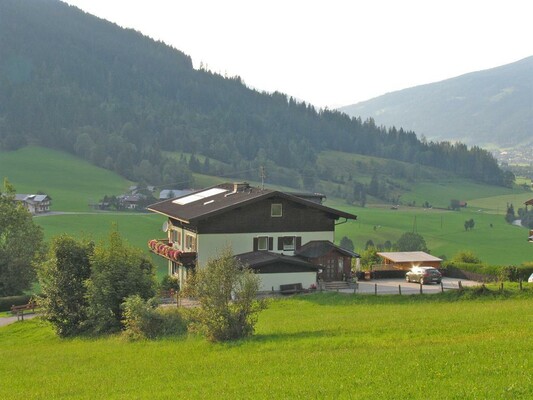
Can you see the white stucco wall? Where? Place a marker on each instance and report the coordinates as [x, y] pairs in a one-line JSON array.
[[209, 245], [269, 281]]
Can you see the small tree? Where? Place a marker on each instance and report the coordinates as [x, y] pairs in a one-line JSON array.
[[346, 243], [411, 241], [466, 256], [369, 257], [227, 291], [62, 277], [117, 272], [21, 244]]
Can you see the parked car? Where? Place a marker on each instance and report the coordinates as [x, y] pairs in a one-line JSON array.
[[423, 275], [530, 279]]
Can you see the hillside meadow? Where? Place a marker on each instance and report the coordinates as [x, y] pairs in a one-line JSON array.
[[73, 184], [321, 346]]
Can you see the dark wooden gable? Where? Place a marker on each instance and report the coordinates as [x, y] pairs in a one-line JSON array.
[[256, 217]]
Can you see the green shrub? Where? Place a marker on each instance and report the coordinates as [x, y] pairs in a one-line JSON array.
[[492, 272], [227, 291], [144, 320], [170, 283], [7, 302]]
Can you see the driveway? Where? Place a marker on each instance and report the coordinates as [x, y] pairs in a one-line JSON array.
[[393, 286]]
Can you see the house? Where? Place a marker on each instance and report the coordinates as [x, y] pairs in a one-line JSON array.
[[404, 260], [34, 203], [267, 222], [335, 262], [172, 193], [130, 201]]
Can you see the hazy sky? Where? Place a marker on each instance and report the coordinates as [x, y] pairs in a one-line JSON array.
[[333, 52]]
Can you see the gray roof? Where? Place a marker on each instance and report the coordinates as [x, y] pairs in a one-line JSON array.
[[408, 256], [257, 259], [35, 198], [319, 248], [222, 198]]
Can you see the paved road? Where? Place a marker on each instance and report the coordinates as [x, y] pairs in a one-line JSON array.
[[9, 320], [392, 286]]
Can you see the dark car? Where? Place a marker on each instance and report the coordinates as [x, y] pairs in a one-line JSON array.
[[423, 275]]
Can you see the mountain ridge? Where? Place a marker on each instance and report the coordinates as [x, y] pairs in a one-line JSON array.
[[492, 107]]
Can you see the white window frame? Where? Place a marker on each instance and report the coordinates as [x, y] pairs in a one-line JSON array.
[[276, 207], [265, 239], [289, 246]]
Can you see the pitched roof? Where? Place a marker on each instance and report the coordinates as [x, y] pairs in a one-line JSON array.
[[225, 197], [258, 259], [529, 202], [319, 248], [408, 256]]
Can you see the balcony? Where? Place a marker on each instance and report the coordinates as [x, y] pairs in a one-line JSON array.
[[163, 248]]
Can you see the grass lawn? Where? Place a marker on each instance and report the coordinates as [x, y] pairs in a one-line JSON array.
[[321, 346]]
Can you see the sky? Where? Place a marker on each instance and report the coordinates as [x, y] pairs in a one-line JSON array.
[[332, 53]]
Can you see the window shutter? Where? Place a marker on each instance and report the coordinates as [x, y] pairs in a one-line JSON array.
[[280, 243], [271, 243], [256, 244], [298, 243]]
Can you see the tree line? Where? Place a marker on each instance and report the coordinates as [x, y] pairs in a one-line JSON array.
[[119, 100]]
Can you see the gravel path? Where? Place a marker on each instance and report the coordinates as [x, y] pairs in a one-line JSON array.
[[9, 320]]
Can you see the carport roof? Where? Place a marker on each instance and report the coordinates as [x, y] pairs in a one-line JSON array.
[[408, 256]]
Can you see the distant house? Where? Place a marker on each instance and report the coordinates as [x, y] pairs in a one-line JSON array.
[[173, 193], [404, 260], [34, 203], [265, 228], [130, 201]]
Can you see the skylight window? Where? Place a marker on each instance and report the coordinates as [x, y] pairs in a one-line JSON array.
[[198, 196]]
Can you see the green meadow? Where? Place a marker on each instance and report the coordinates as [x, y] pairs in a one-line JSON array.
[[73, 184], [321, 346]]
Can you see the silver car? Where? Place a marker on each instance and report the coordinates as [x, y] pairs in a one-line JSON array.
[[423, 275]]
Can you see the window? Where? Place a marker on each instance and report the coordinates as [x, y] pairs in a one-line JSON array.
[[262, 243], [289, 243], [276, 210], [190, 242], [175, 237]]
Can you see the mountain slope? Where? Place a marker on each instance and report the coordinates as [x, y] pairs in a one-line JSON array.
[[120, 100], [491, 107]]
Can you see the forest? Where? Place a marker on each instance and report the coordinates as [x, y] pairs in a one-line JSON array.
[[118, 99]]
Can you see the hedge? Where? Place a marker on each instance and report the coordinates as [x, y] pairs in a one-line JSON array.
[[7, 302], [484, 272]]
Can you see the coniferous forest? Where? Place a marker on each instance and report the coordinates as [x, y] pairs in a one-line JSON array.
[[118, 99]]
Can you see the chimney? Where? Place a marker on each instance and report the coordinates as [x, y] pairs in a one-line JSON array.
[[239, 187]]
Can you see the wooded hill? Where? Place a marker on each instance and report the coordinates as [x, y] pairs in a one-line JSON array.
[[71, 81], [490, 108]]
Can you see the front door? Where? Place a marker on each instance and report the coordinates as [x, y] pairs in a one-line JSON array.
[[333, 269]]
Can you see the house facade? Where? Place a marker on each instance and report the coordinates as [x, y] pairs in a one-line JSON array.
[[247, 219], [34, 203]]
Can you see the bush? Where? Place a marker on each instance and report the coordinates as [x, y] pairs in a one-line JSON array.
[[7, 302], [143, 320], [227, 293], [489, 272], [170, 283]]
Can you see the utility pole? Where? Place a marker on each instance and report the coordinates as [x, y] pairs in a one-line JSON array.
[[263, 176]]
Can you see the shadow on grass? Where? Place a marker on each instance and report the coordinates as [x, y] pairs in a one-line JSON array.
[[281, 336]]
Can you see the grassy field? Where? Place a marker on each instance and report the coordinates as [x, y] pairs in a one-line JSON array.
[[72, 183], [136, 228], [322, 346]]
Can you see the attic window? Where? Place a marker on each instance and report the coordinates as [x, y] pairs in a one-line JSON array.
[[276, 210]]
